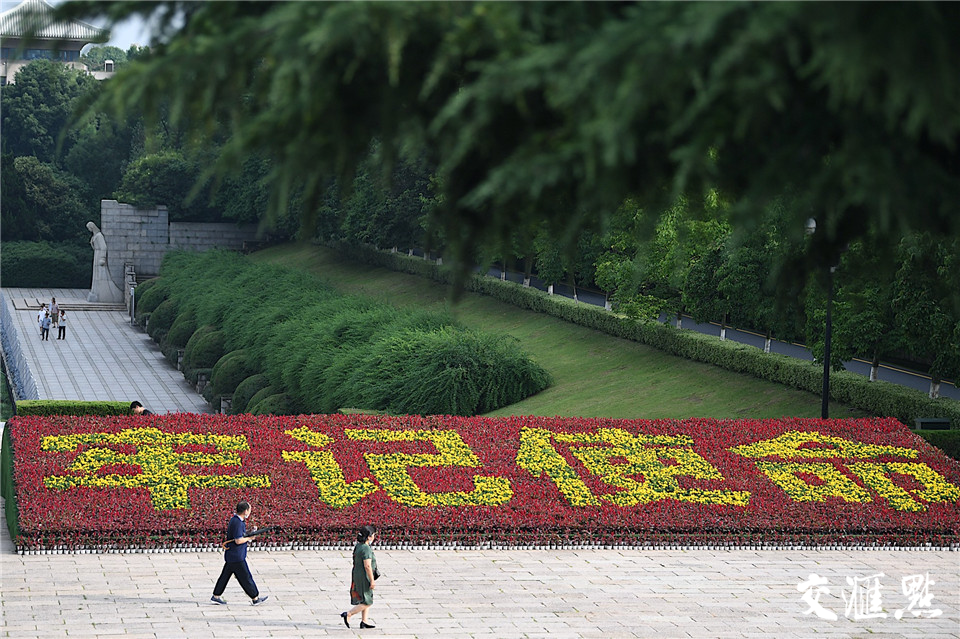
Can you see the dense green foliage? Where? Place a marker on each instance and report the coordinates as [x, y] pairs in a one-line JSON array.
[[323, 351], [229, 371], [878, 398], [246, 390], [41, 264], [946, 440], [71, 407], [558, 112]]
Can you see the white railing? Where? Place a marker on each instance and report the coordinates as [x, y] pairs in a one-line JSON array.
[[24, 384]]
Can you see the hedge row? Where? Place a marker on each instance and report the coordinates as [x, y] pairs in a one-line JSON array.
[[282, 342], [45, 265], [44, 407], [878, 398]]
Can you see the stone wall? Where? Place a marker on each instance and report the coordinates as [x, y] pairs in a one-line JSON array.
[[141, 237]]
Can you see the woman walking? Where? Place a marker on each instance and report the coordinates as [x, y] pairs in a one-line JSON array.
[[364, 577]]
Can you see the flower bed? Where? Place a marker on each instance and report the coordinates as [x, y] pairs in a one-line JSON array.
[[162, 481]]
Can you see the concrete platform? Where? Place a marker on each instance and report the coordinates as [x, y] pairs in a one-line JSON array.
[[485, 594], [102, 358]]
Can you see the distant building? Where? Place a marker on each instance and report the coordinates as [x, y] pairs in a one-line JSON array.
[[51, 40]]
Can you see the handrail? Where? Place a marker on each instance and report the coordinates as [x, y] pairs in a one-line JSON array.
[[23, 385]]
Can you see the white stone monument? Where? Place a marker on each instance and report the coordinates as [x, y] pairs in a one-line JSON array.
[[102, 288]]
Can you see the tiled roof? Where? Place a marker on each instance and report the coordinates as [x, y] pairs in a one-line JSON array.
[[30, 14]]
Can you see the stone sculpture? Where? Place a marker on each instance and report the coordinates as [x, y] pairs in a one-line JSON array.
[[102, 288]]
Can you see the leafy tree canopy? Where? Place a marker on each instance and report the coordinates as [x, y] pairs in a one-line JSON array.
[[557, 112]]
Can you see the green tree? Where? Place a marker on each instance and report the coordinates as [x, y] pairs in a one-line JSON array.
[[169, 179], [38, 107], [922, 303], [47, 205], [96, 56], [552, 109]]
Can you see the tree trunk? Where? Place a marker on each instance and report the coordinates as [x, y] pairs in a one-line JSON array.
[[767, 341], [934, 387], [723, 328], [527, 269], [874, 366], [550, 289], [680, 318]]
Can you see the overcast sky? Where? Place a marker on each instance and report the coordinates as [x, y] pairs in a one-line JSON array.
[[131, 32]]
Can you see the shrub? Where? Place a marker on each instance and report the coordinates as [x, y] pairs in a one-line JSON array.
[[162, 318], [946, 440], [259, 396], [246, 390], [151, 297], [203, 349], [44, 407], [181, 330], [322, 348], [229, 371], [878, 398], [45, 265], [277, 404]]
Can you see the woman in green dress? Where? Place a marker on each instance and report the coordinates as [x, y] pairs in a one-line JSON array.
[[363, 579]]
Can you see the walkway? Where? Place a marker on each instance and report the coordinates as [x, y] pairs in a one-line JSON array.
[[102, 357], [491, 594]]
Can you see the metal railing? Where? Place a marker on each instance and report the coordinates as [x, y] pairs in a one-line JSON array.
[[24, 386]]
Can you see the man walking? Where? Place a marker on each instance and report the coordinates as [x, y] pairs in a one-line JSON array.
[[235, 559]]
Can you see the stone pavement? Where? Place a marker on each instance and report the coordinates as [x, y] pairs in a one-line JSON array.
[[102, 357], [429, 593], [475, 593]]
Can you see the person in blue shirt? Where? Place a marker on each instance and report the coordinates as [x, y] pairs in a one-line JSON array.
[[235, 559]]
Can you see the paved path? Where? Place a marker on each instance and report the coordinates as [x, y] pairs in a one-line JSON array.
[[486, 594], [102, 357]]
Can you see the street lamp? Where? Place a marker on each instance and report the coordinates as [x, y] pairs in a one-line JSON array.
[[811, 228]]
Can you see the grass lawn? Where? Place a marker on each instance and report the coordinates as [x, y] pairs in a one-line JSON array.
[[595, 375]]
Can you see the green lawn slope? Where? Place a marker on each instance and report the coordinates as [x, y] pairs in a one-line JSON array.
[[595, 375]]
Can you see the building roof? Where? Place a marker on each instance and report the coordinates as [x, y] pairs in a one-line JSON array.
[[34, 18]]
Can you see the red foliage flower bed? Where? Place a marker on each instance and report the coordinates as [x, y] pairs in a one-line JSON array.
[[166, 480]]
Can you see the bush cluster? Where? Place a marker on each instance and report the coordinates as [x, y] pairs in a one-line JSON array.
[[45, 265], [878, 398], [284, 343], [43, 407]]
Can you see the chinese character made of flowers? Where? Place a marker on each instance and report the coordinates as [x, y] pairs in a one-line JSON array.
[[158, 460], [843, 458], [645, 455], [391, 469]]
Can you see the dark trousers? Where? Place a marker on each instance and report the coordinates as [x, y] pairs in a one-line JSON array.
[[45, 334], [61, 332], [242, 572]]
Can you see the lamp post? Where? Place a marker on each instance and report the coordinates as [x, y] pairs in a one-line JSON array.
[[811, 228]]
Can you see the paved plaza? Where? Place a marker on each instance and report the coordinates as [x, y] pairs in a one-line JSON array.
[[102, 357], [439, 593]]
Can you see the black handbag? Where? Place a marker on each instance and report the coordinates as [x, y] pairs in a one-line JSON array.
[[376, 574]]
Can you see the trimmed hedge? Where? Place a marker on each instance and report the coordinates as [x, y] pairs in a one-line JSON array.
[[246, 390], [161, 319], [203, 349], [10, 511], [946, 440], [879, 398], [229, 371], [277, 404], [71, 407], [259, 396], [45, 265], [324, 350]]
